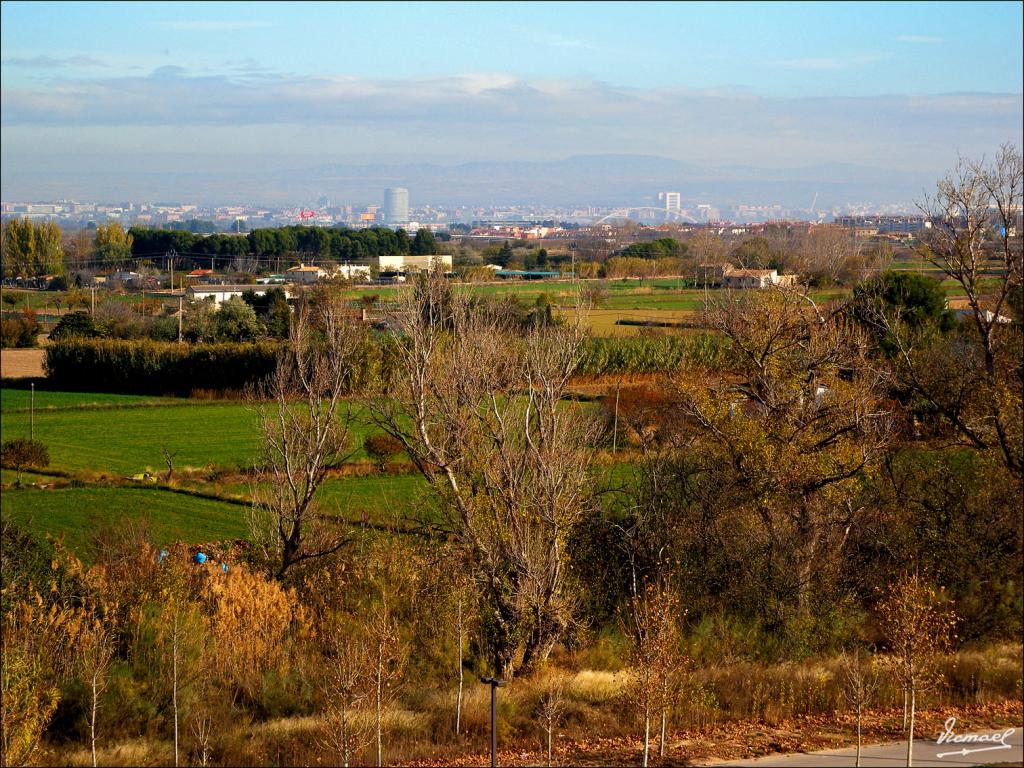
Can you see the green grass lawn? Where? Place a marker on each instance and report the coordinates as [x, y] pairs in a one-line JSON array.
[[392, 500], [128, 441], [18, 399], [10, 477], [79, 513]]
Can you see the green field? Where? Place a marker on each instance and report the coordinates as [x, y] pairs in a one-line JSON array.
[[391, 500], [12, 400], [130, 440], [397, 501], [122, 436], [80, 513]]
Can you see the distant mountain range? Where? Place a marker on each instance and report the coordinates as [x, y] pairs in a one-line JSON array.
[[599, 180]]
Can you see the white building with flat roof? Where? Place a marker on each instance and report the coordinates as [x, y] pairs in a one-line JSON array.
[[221, 293]]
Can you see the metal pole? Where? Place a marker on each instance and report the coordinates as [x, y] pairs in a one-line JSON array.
[[495, 683]]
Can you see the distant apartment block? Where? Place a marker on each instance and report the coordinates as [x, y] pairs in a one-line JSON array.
[[673, 201], [884, 225]]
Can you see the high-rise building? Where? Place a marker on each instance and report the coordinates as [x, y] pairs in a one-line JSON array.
[[672, 200], [396, 205]]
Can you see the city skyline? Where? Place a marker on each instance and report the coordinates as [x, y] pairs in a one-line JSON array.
[[907, 88]]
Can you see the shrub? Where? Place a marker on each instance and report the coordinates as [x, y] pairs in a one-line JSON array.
[[153, 367], [19, 331], [380, 448], [74, 324], [147, 367], [21, 453]]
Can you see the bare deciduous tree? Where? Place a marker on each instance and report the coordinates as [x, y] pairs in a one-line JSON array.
[[477, 405], [828, 255], [656, 661], [707, 247], [860, 683], [169, 456], [387, 659], [347, 687], [305, 426], [976, 240], [97, 653], [918, 626], [550, 710], [202, 731]]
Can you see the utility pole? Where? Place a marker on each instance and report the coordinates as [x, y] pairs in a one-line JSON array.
[[180, 313], [495, 684], [615, 429], [171, 256]]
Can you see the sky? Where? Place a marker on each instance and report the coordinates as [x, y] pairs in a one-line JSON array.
[[907, 86]]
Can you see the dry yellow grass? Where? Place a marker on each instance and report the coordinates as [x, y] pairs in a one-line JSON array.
[[602, 321], [21, 363], [595, 687], [139, 751]]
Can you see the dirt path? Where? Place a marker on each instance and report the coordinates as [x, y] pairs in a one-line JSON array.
[[20, 363]]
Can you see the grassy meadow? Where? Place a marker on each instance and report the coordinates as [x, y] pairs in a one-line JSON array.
[[79, 514], [107, 467], [126, 434], [102, 445]]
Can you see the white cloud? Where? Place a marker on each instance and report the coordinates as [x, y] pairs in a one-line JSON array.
[[922, 39], [496, 112], [559, 41]]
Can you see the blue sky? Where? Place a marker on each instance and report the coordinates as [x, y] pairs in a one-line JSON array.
[[909, 85], [789, 49]]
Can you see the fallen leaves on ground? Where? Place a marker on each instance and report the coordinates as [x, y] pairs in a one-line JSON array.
[[737, 741]]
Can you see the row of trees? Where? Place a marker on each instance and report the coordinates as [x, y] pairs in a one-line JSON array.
[[31, 249], [193, 643], [336, 243]]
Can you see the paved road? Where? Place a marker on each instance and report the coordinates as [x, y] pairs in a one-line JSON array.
[[927, 754]]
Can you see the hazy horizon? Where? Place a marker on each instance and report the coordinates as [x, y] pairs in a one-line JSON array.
[[117, 93]]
